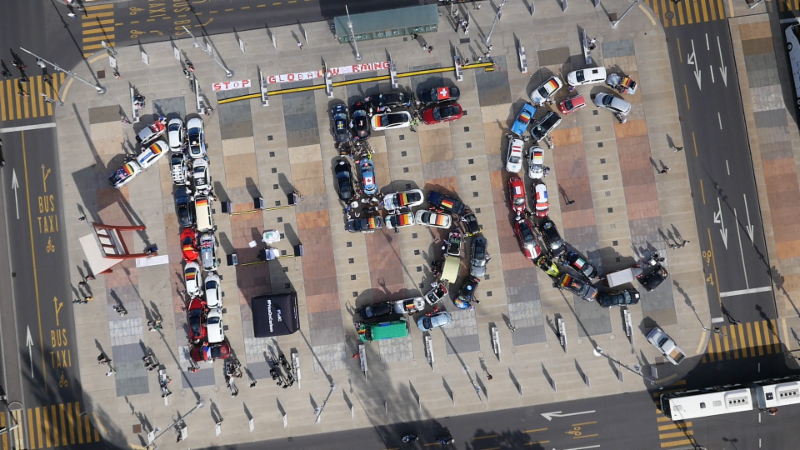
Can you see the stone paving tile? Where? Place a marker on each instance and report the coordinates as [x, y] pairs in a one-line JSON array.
[[493, 87]]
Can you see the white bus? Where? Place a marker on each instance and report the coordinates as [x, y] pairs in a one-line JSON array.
[[731, 398], [793, 46]]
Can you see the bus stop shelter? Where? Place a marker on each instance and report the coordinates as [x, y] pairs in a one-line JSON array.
[[391, 23]]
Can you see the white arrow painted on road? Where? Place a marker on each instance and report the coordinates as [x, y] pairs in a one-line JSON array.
[[749, 226], [15, 186], [29, 344], [718, 219], [722, 69], [691, 59], [550, 415], [581, 448]]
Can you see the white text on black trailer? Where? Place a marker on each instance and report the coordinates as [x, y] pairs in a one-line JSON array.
[[732, 398]]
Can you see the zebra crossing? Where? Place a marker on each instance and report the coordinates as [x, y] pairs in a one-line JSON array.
[[672, 434], [743, 340], [673, 14], [97, 25], [31, 99]]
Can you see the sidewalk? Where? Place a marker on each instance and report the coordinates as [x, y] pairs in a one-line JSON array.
[[620, 207]]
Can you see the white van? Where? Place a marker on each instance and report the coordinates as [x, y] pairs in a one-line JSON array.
[[591, 75], [202, 212]]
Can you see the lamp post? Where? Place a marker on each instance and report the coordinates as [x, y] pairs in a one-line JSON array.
[[616, 22], [352, 35], [324, 403], [599, 352], [179, 420], [497, 17], [228, 72], [40, 61]]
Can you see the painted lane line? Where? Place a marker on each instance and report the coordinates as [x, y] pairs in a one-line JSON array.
[[707, 46], [727, 166], [720, 120], [717, 320], [711, 70], [15, 186], [583, 448], [549, 415], [28, 127], [739, 235], [749, 225], [745, 291], [722, 69], [718, 219]]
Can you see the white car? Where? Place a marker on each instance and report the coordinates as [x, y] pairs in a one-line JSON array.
[[406, 199], [201, 178], [214, 328], [213, 290], [613, 104], [195, 135], [592, 75], [124, 174], [192, 278], [394, 221], [536, 163], [175, 135], [398, 119], [546, 90], [152, 154], [514, 156], [433, 219]]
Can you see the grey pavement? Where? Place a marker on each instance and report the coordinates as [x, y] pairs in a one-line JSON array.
[[620, 206]]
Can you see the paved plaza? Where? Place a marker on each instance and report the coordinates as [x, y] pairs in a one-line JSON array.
[[623, 210]]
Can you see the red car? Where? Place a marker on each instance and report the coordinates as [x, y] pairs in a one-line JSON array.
[[542, 200], [527, 240], [195, 315], [516, 195], [201, 353], [572, 104], [189, 244], [442, 113]]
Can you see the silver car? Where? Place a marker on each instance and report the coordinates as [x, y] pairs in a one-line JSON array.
[[613, 104], [175, 135], [208, 252], [196, 138]]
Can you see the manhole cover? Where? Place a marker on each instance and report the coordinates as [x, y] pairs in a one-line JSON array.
[[546, 345], [137, 429], [612, 337], [414, 363], [669, 15]]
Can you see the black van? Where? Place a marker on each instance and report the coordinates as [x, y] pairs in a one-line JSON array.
[[445, 203]]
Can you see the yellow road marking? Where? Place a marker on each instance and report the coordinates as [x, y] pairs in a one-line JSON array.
[[92, 47], [734, 345], [686, 91], [276, 3], [3, 100], [99, 38], [767, 338], [46, 424], [647, 13], [292, 1], [99, 15], [702, 336], [676, 434], [585, 436], [785, 331], [78, 421], [529, 443], [582, 424], [713, 9], [705, 13], [260, 6], [726, 345], [39, 427], [676, 443], [34, 91], [718, 346], [688, 12], [696, 11], [655, 8], [750, 339], [99, 7], [757, 332], [714, 259], [228, 9], [721, 9], [776, 340], [730, 8], [535, 431], [94, 31], [664, 13], [71, 422], [743, 340], [679, 8], [680, 55], [213, 12], [695, 143], [245, 7], [672, 8], [484, 437], [31, 430], [95, 23]]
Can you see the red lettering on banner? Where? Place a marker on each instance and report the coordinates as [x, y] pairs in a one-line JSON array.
[[271, 79], [246, 83], [216, 87]]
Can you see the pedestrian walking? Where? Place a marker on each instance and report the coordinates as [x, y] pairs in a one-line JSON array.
[[111, 372], [125, 120], [570, 202], [189, 65], [77, 300], [677, 149], [489, 49], [300, 45], [489, 377], [477, 6], [672, 246], [512, 328], [546, 172], [47, 78], [86, 298], [103, 359], [683, 244], [430, 49], [465, 62], [116, 73], [82, 219], [486, 55], [120, 310], [74, 17], [664, 171], [414, 36]]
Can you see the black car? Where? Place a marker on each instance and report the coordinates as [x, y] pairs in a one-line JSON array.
[[554, 242], [390, 100], [440, 94], [577, 286], [377, 310], [480, 257], [360, 120], [470, 223], [581, 264], [618, 298], [548, 123], [344, 180], [653, 277], [341, 132], [445, 203], [184, 207]]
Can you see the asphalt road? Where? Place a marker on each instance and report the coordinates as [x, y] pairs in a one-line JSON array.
[[46, 371], [721, 174], [589, 423], [145, 22]]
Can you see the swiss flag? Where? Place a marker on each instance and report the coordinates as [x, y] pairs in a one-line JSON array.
[[444, 93]]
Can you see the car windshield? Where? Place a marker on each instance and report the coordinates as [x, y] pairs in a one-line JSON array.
[[579, 76], [568, 105], [514, 159], [607, 100], [340, 116], [194, 321], [394, 119], [426, 323], [359, 113], [542, 92], [175, 127], [479, 253], [526, 233], [214, 320], [443, 113], [519, 201]]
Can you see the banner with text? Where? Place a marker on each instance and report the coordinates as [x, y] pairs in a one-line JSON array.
[[302, 76], [228, 85]]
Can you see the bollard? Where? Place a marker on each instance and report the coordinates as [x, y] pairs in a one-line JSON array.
[[496, 342], [296, 366], [218, 428], [133, 105], [563, 5], [393, 74], [352, 412], [252, 424], [176, 53], [241, 44], [145, 58], [562, 333], [628, 324], [429, 350], [274, 41], [523, 59], [199, 96], [457, 68], [362, 356], [328, 83], [285, 420]]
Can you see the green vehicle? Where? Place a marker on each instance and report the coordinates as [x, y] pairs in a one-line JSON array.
[[384, 330]]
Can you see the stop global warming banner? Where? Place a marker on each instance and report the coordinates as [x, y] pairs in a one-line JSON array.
[[302, 76]]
